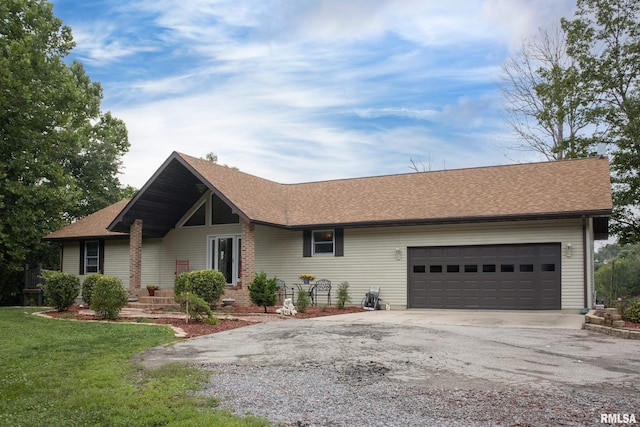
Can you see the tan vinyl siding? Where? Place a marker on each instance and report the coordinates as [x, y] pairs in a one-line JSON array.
[[116, 260], [370, 254], [187, 243], [71, 258], [151, 262]]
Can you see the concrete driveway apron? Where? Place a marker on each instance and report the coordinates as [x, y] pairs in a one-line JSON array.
[[446, 348]]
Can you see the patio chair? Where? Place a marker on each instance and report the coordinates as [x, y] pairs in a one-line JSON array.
[[322, 286], [182, 266]]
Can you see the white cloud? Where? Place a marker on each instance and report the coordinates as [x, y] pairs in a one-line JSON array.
[[301, 90], [97, 44]]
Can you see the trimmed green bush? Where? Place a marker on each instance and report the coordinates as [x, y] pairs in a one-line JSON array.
[[343, 295], [207, 284], [195, 307], [303, 301], [87, 287], [262, 291], [108, 297], [60, 289]]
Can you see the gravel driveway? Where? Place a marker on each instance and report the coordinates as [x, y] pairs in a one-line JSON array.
[[381, 371]]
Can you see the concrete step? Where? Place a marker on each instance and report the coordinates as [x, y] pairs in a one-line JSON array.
[[163, 298], [157, 300], [143, 305]]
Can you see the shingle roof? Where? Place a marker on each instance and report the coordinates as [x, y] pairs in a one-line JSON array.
[[560, 188], [94, 225], [567, 188]]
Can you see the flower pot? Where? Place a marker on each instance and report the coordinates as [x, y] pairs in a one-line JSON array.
[[152, 292], [306, 281]]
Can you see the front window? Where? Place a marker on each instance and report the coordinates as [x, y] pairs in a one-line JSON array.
[[323, 242], [91, 257]]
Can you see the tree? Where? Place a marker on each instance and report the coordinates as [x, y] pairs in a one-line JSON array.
[[547, 105], [60, 153], [619, 277], [213, 158], [604, 38]]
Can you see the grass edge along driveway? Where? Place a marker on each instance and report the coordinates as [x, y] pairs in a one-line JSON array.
[[62, 373]]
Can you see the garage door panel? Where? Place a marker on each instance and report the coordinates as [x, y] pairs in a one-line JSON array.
[[487, 277]]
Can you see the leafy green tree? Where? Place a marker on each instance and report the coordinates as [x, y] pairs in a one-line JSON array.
[[547, 104], [604, 39], [60, 153]]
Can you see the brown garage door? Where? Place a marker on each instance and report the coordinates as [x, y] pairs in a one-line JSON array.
[[507, 277]]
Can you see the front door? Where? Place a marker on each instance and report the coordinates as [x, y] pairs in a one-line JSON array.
[[225, 256]]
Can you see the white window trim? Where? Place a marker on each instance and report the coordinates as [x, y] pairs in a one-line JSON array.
[[87, 257], [333, 242], [212, 248]]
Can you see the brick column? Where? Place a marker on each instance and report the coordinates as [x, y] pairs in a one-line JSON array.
[[135, 257], [248, 252], [240, 292]]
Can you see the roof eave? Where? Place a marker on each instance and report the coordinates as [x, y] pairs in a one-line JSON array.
[[120, 236], [455, 220]]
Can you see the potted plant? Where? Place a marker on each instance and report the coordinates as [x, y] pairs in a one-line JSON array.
[[152, 289], [306, 278]]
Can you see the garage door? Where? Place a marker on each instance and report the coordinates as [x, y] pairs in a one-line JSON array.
[[507, 277]]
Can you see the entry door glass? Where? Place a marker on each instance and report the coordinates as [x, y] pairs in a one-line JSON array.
[[225, 256]]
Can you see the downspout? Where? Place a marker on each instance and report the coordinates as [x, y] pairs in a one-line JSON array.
[[584, 262]]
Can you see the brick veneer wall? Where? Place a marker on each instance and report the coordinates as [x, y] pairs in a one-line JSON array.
[[135, 257], [240, 293]]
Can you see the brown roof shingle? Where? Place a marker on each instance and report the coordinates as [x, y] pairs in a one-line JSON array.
[[94, 225]]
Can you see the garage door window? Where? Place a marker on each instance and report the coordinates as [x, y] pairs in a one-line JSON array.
[[526, 268], [435, 269], [470, 268], [489, 268], [453, 269]]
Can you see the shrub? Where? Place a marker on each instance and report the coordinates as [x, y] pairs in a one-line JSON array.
[[303, 300], [60, 289], [207, 284], [343, 295], [108, 297], [630, 311], [262, 291], [195, 307], [87, 287]]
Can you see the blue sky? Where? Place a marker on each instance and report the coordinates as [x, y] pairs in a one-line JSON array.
[[305, 90]]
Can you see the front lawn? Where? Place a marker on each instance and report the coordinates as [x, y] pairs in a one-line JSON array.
[[64, 373]]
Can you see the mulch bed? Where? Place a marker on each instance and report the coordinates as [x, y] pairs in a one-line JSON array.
[[194, 329]]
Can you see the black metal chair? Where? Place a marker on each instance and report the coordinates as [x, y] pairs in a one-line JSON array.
[[322, 286]]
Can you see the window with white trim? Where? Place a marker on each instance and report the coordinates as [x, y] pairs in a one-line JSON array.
[[91, 257], [323, 242]]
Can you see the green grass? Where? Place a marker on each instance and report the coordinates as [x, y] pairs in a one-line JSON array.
[[62, 373]]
